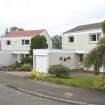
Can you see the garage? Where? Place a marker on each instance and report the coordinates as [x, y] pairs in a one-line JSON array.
[[42, 63], [44, 58]]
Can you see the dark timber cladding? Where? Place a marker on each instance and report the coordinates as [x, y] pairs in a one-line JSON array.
[[85, 27]]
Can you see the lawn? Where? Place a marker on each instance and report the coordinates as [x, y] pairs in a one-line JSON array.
[[79, 81], [97, 82]]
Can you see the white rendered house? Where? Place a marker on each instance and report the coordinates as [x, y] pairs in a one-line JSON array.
[[76, 43], [82, 39], [17, 43]]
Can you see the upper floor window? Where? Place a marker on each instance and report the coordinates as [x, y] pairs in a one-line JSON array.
[[95, 36], [22, 42], [71, 39], [25, 42], [8, 42]]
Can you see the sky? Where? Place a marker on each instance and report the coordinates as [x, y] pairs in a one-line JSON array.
[[56, 16]]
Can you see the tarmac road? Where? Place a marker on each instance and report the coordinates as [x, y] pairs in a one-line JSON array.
[[9, 96]]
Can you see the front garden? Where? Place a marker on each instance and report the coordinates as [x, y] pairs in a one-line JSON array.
[[92, 82]]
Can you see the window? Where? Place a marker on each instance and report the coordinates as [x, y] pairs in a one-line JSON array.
[[81, 57], [71, 39], [22, 42], [95, 36], [8, 42], [25, 42]]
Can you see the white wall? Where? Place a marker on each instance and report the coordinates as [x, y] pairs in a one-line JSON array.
[[81, 40], [16, 44], [54, 59]]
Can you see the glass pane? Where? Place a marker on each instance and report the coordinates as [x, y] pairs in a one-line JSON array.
[[71, 39], [26, 42], [22, 42], [93, 37]]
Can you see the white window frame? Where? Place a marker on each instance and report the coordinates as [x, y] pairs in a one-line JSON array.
[[96, 34], [24, 42]]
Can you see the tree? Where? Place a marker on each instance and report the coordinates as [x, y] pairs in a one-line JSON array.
[[56, 42], [14, 28], [103, 27], [38, 42], [97, 56], [94, 58]]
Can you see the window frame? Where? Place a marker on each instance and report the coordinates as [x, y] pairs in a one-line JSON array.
[[8, 42], [97, 35], [71, 40], [24, 42]]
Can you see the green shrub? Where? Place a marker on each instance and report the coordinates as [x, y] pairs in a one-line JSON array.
[[13, 67], [100, 82], [20, 67], [59, 71], [26, 60], [25, 67]]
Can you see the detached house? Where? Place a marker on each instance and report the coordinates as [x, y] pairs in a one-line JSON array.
[[76, 43], [15, 45], [82, 39]]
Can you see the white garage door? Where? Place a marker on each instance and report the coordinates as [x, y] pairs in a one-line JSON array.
[[42, 63]]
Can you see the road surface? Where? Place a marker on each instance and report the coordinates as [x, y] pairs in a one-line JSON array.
[[9, 96]]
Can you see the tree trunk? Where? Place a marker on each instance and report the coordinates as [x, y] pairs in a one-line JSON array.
[[96, 69]]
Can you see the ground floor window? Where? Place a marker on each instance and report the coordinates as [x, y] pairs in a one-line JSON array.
[[24, 55], [81, 57]]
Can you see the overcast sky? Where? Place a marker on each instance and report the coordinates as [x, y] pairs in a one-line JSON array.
[[54, 15]]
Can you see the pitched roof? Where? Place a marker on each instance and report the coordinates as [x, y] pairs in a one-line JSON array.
[[85, 27], [24, 33]]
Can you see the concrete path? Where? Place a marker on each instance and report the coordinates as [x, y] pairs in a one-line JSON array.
[[79, 96]]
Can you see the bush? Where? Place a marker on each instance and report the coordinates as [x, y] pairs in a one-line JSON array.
[[59, 71], [25, 67], [100, 82], [13, 67], [26, 60], [36, 75], [20, 67]]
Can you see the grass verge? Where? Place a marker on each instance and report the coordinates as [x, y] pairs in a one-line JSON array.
[[78, 81], [96, 82]]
